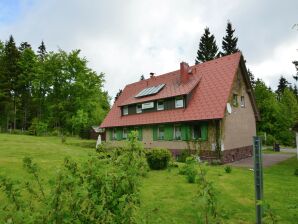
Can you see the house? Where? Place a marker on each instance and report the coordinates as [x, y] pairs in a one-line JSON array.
[[211, 103]]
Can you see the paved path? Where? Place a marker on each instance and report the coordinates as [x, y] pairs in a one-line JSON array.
[[268, 160]]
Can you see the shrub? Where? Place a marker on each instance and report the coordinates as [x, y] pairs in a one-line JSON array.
[[296, 172], [216, 162], [189, 169], [38, 127], [158, 158], [183, 155], [228, 169]]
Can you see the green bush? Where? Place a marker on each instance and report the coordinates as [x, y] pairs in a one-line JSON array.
[[158, 158], [228, 169], [38, 127], [296, 172], [183, 155], [189, 169], [270, 140], [216, 162]]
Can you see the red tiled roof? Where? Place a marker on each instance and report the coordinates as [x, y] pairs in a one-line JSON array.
[[211, 83]]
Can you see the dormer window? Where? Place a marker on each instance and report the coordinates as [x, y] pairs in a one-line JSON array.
[[160, 105], [125, 110], [179, 102], [139, 108]]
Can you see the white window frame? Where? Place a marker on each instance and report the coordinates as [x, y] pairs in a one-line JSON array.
[[177, 100], [114, 134], [139, 109], [125, 110], [176, 126], [160, 107], [124, 133], [242, 101], [158, 132]]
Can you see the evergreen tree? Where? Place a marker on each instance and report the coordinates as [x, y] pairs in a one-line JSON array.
[[23, 46], [229, 42], [251, 78], [296, 66], [42, 52], [142, 78], [208, 49], [282, 85]]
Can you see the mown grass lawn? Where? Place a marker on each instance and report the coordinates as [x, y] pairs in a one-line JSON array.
[[166, 197]]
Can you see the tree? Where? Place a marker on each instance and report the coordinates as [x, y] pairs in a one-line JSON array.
[[208, 49], [283, 83], [42, 52], [23, 46], [229, 42], [251, 78], [142, 78], [296, 66]]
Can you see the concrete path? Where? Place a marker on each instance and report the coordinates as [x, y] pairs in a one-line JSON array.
[[268, 160]]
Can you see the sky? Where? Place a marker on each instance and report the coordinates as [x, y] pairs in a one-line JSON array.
[[127, 39]]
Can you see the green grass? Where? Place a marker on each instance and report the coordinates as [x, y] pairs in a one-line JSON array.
[[166, 197]]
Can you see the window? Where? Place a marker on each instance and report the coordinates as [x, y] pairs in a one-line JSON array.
[[124, 134], [160, 105], [242, 101], [177, 132], [125, 110], [196, 132], [235, 100], [179, 102], [114, 134], [161, 133], [139, 108]]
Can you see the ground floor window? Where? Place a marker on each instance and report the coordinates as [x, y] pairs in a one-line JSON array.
[[177, 132], [196, 132], [114, 134], [161, 133], [124, 134]]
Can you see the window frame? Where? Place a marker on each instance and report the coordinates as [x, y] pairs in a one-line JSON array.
[[199, 134], [242, 101], [125, 110], [163, 105], [177, 99], [126, 133], [139, 110], [174, 137], [114, 134], [158, 133]]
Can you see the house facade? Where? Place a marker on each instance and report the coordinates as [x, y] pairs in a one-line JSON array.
[[209, 106]]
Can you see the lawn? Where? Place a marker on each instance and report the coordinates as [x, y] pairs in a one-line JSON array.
[[166, 197]]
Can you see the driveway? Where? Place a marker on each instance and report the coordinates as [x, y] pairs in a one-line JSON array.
[[268, 160]]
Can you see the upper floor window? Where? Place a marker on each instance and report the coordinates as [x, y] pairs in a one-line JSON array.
[[124, 133], [160, 105], [177, 132], [161, 133], [139, 108], [179, 102], [235, 100], [242, 101], [125, 110]]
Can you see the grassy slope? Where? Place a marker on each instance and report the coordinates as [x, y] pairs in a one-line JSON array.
[[165, 196]]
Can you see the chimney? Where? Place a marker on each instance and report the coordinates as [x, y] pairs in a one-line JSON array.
[[151, 74], [184, 72]]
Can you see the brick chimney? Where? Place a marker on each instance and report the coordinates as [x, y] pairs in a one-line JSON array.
[[184, 72]]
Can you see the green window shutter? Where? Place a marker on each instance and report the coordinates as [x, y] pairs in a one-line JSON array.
[[204, 131], [140, 134], [119, 134], [185, 132], [169, 132], [110, 134], [154, 129]]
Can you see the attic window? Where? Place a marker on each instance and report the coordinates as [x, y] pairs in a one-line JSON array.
[[242, 101], [179, 103], [160, 105], [235, 100], [150, 91], [125, 110], [139, 108]]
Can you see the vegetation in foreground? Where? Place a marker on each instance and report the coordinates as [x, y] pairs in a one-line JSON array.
[[165, 195]]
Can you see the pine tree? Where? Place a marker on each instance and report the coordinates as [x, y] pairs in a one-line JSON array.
[[42, 51], [23, 46], [296, 66], [251, 78], [229, 42], [282, 85], [208, 49]]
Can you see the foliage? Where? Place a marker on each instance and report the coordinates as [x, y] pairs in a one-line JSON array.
[[183, 155], [96, 191], [228, 169], [208, 49], [296, 172], [229, 42], [38, 127], [270, 216], [57, 88], [158, 158], [189, 169]]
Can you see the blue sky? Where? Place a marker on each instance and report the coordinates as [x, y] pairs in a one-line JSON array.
[[127, 39]]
